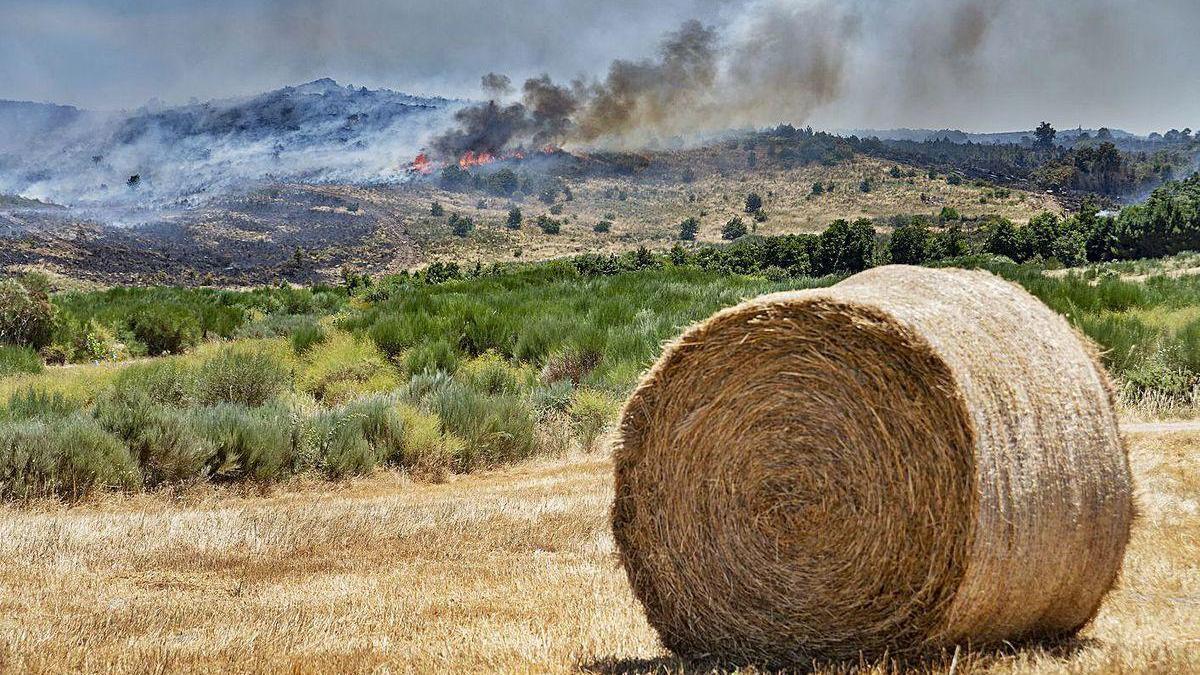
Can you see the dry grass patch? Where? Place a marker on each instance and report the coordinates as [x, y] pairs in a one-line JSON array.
[[512, 570]]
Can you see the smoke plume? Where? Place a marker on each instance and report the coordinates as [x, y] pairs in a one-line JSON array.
[[974, 64]]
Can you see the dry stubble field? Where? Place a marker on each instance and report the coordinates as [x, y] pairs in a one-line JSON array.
[[507, 571]]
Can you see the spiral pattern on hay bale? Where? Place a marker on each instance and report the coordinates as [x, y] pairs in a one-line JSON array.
[[911, 459]]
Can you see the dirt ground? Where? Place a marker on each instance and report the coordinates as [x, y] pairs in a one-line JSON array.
[[510, 571]]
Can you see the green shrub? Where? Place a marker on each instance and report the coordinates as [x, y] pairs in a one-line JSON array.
[[393, 335], [341, 447], [343, 368], [246, 442], [67, 458], [164, 328], [591, 411], [494, 429], [306, 336], [427, 451], [433, 356], [16, 360], [34, 403], [491, 374], [237, 374], [26, 315], [167, 381]]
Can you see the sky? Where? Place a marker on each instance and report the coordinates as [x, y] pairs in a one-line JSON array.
[[979, 65]]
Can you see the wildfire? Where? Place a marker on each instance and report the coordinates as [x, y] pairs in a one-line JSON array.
[[421, 165], [471, 158]]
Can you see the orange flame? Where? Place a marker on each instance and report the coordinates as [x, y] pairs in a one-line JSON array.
[[421, 165], [472, 158]]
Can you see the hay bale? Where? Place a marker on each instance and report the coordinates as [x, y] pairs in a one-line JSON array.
[[911, 459]]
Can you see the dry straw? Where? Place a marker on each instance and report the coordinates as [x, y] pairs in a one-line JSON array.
[[911, 459]]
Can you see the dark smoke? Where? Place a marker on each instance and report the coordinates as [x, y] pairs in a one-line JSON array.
[[496, 85], [488, 127], [635, 95]]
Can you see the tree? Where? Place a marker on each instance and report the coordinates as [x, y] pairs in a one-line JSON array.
[[909, 244], [845, 248], [502, 183], [602, 227], [734, 229], [548, 224], [949, 213], [817, 189], [515, 218], [455, 177], [436, 210], [1040, 234], [865, 185], [688, 229], [461, 225], [1044, 136], [1003, 239], [1104, 134], [754, 203], [951, 242]]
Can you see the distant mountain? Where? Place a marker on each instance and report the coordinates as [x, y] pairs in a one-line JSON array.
[[956, 136], [162, 156]]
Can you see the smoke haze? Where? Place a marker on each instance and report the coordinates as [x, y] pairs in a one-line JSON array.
[[971, 64]]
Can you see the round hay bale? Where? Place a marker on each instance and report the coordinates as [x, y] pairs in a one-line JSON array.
[[911, 459]]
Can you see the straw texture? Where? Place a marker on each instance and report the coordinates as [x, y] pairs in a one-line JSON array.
[[911, 459]]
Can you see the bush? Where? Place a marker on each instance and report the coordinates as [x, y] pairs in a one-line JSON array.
[[427, 451], [164, 441], [246, 443], [734, 229], [754, 203], [237, 374], [688, 229], [394, 334], [549, 225], [461, 225], [495, 429], [342, 368], [26, 315], [591, 411], [34, 403], [67, 458], [491, 374], [306, 336], [341, 448], [165, 329], [845, 248], [169, 382], [433, 356], [15, 360], [602, 227], [515, 218], [96, 342]]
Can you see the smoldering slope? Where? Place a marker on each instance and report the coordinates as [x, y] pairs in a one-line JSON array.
[[130, 166]]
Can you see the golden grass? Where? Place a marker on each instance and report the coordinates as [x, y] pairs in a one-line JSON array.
[[513, 570], [652, 211]]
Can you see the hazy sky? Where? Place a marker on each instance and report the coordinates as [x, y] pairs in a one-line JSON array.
[[972, 64]]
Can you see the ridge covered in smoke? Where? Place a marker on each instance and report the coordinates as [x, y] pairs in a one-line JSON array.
[[161, 157]]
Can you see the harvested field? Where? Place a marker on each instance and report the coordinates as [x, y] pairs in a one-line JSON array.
[[512, 570]]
